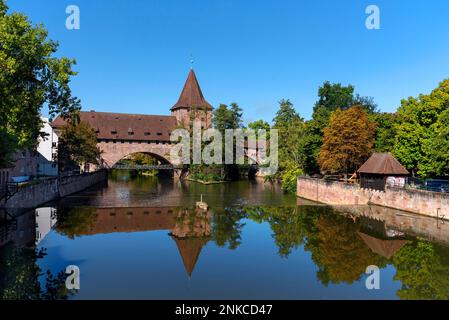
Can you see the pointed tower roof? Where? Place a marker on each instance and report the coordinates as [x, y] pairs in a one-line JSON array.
[[190, 249], [191, 95]]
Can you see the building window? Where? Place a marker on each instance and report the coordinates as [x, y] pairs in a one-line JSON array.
[[147, 133], [113, 131], [159, 134]]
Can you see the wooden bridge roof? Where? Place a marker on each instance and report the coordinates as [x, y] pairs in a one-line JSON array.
[[383, 163], [121, 126]]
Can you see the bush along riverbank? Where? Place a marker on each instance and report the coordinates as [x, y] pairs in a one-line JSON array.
[[214, 174]]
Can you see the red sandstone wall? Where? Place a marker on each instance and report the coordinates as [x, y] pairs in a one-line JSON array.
[[338, 193]]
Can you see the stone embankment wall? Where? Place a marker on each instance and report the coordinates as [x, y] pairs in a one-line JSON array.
[[427, 203], [33, 195]]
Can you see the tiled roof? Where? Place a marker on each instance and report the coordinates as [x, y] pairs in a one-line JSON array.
[[191, 95], [120, 126], [383, 163]]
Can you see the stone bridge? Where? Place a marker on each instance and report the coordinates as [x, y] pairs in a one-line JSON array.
[[120, 135]]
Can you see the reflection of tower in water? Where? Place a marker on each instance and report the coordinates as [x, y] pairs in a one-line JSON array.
[[191, 233]]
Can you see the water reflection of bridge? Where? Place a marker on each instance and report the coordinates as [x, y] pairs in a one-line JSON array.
[[190, 228]]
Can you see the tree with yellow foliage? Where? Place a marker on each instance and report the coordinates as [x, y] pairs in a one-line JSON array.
[[348, 141]]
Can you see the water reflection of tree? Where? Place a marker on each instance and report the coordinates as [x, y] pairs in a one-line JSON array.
[[20, 275], [76, 221], [340, 254], [423, 269], [287, 224], [227, 227], [336, 248]]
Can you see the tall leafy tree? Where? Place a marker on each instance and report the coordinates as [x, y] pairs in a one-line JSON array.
[[419, 119], [227, 117], [286, 114], [260, 125], [30, 76], [348, 141], [436, 148], [291, 131], [331, 97], [385, 131], [77, 146]]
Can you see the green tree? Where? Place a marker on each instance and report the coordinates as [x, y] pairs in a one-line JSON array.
[[3, 8], [226, 118], [415, 130], [385, 131], [331, 96], [291, 131], [31, 76], [436, 148], [285, 115], [77, 146], [260, 125], [348, 141]]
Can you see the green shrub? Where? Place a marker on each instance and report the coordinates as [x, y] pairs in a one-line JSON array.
[[289, 179]]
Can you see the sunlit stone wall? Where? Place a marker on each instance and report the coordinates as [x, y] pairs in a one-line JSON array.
[[338, 193]]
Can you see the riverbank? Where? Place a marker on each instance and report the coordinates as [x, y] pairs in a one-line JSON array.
[[433, 204], [33, 195]]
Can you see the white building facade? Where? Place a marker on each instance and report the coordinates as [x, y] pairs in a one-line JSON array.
[[47, 164]]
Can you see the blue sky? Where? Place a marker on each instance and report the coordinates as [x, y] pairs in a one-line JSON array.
[[134, 56]]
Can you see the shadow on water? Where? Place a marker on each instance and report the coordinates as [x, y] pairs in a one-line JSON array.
[[294, 251]]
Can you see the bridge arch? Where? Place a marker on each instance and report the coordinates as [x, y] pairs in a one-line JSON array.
[[111, 153]]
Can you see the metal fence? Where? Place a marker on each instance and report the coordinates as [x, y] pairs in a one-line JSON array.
[[435, 185]]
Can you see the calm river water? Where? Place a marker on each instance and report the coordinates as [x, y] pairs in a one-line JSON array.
[[144, 238]]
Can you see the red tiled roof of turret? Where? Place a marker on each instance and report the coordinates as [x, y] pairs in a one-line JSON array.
[[191, 95]]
